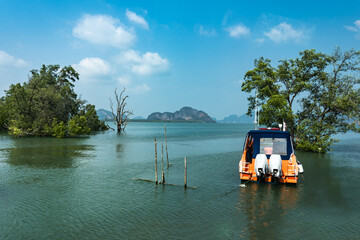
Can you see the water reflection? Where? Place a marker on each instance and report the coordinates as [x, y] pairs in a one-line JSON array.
[[265, 206], [94, 197], [40, 153], [271, 209], [322, 179], [119, 149]]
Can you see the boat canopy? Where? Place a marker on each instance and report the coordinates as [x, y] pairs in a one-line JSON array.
[[271, 142]]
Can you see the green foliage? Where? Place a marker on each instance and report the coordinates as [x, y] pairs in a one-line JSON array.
[[78, 126], [103, 126], [315, 137], [59, 130], [274, 109], [47, 105], [92, 119], [13, 130], [4, 116], [326, 88]]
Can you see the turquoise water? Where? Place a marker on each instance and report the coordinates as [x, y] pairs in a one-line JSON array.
[[83, 188]]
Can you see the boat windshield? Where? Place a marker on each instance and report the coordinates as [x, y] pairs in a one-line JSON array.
[[271, 142], [270, 146]]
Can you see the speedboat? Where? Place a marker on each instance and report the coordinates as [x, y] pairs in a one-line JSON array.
[[268, 156]]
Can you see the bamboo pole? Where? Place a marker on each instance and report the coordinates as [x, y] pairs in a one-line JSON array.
[[185, 175], [147, 180], [162, 163], [166, 149], [156, 175]]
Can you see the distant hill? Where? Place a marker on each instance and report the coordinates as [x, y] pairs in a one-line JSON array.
[[104, 114], [186, 114], [138, 118], [107, 115], [237, 119]]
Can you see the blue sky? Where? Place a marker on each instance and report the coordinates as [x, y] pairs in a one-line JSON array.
[[168, 54]]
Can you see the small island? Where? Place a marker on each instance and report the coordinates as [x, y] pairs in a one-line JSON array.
[[185, 114]]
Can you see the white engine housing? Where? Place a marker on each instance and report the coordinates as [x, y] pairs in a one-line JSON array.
[[300, 167], [261, 164], [275, 165]]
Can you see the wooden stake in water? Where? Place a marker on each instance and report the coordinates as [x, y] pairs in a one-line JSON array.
[[185, 176], [162, 163], [167, 156], [156, 176]]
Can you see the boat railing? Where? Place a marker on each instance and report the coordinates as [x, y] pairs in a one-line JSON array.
[[291, 170], [245, 166]]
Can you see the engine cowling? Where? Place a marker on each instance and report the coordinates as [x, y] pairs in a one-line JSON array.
[[261, 164], [300, 167], [275, 163]]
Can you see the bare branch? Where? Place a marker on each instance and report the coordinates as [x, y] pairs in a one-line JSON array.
[[110, 127], [121, 117]]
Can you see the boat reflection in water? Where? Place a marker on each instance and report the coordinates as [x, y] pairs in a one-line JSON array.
[[269, 209]]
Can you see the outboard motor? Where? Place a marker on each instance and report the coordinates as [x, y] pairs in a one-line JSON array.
[[275, 166], [261, 166], [300, 167]]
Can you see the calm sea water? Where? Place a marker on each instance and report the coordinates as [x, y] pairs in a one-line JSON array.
[[83, 188]]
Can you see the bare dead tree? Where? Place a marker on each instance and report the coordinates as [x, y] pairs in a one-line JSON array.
[[121, 117]]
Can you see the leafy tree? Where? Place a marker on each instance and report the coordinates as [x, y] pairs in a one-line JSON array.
[[59, 130], [3, 115], [325, 87], [47, 105], [78, 126], [92, 118]]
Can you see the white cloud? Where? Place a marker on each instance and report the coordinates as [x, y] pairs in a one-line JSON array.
[[260, 40], [103, 30], [146, 64], [8, 60], [205, 31], [140, 89], [238, 30], [92, 67], [129, 56], [124, 80], [133, 17], [355, 28], [284, 32]]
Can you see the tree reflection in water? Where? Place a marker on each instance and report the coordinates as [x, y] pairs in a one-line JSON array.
[[39, 153]]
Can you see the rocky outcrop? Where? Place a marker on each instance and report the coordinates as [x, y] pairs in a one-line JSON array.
[[186, 114], [237, 119], [104, 114]]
